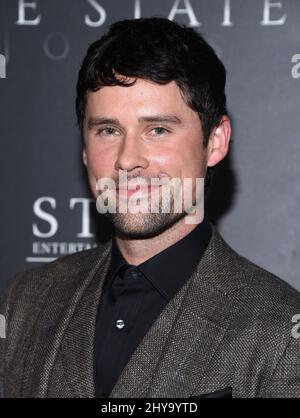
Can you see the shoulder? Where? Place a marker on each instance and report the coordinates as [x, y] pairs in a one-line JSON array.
[[249, 283], [265, 310]]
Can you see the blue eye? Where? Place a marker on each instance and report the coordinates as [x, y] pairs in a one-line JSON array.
[[160, 130], [107, 131]]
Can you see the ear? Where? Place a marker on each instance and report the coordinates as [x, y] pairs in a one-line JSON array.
[[218, 143], [84, 156]]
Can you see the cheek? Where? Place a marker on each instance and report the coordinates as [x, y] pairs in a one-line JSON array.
[[195, 157], [98, 162], [96, 168], [166, 160], [185, 161], [196, 165]]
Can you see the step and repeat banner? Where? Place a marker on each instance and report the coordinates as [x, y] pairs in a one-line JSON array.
[[46, 208]]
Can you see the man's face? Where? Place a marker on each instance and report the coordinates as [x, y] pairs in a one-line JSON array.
[[148, 130]]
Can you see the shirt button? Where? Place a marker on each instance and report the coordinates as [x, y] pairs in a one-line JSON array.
[[134, 274], [120, 323]]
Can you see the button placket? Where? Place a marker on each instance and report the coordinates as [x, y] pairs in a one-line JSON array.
[[128, 275]]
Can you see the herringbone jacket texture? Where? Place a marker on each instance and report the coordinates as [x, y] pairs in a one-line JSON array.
[[229, 326]]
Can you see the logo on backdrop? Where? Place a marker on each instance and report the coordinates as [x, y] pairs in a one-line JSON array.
[[44, 246], [272, 13]]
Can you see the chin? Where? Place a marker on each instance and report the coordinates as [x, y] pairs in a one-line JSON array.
[[140, 226]]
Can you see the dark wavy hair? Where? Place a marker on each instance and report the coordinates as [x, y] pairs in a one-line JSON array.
[[161, 51]]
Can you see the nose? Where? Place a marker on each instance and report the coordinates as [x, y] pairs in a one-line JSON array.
[[131, 154]]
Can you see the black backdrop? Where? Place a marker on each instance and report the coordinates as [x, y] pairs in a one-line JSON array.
[[45, 207]]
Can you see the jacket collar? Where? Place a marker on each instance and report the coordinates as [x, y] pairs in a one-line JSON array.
[[171, 268]]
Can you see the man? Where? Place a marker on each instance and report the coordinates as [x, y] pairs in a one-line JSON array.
[[165, 308]]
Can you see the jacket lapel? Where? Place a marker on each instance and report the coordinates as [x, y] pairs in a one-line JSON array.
[[78, 343], [177, 349], [65, 330], [196, 335]]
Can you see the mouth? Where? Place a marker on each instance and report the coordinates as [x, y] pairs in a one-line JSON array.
[[142, 191]]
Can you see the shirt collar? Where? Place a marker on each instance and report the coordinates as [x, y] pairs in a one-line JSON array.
[[172, 267]]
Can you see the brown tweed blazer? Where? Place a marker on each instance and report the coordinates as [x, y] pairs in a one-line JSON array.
[[228, 328]]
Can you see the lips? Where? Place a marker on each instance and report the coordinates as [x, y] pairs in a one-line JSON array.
[[140, 190]]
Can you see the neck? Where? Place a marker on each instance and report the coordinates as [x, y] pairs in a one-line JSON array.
[[136, 251]]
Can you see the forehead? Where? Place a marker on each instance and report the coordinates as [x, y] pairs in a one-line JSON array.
[[143, 96]]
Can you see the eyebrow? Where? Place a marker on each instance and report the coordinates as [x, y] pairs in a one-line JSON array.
[[98, 120], [161, 118]]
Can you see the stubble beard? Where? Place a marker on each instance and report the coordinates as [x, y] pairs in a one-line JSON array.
[[142, 225], [146, 225]]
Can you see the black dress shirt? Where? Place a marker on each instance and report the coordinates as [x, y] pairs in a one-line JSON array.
[[134, 296]]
